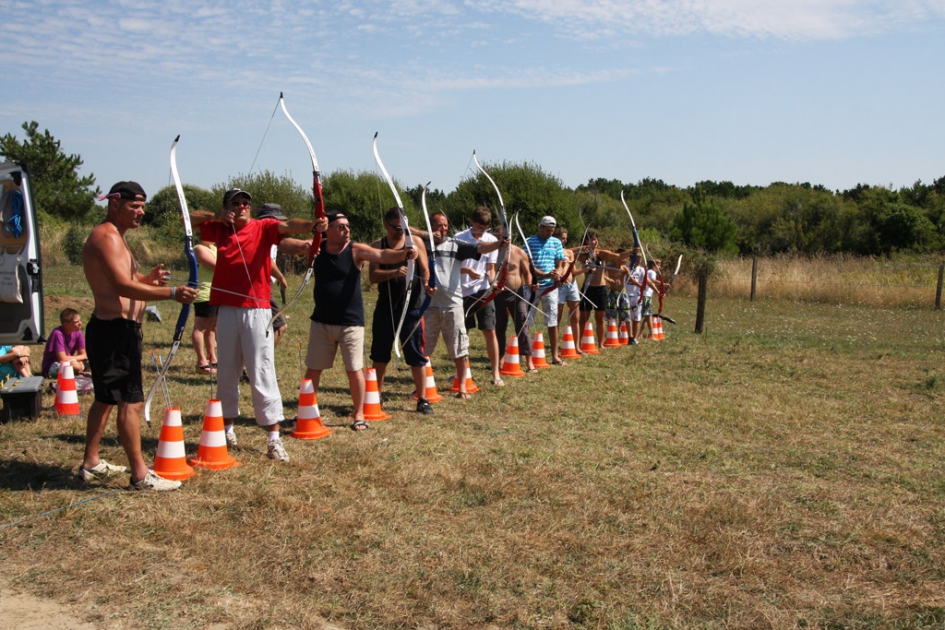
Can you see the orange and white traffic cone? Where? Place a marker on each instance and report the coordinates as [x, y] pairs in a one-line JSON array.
[[588, 343], [613, 339], [624, 334], [657, 333], [538, 352], [430, 394], [211, 452], [171, 459], [308, 424], [67, 399], [471, 388], [372, 397], [568, 350], [511, 362]]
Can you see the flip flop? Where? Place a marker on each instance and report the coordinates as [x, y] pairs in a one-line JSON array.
[[498, 382], [360, 425], [206, 369], [464, 395]]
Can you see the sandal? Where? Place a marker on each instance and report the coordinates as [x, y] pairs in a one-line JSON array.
[[498, 382], [360, 425], [464, 395], [206, 369]]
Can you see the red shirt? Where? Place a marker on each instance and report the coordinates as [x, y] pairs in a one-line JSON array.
[[243, 261]]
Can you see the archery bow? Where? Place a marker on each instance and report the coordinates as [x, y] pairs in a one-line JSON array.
[[191, 281], [319, 213], [408, 244], [503, 255], [431, 262], [676, 273], [636, 244]]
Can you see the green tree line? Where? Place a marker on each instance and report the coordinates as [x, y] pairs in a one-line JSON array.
[[712, 216]]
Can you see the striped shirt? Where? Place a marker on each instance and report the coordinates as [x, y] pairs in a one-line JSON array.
[[546, 254]]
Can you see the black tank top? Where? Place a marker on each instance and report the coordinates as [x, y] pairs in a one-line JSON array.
[[391, 292], [338, 289]]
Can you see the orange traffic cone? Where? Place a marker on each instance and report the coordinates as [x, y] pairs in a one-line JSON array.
[[171, 460], [211, 452], [657, 333], [308, 423], [624, 334], [471, 388], [588, 343], [612, 340], [511, 363], [372, 397], [568, 350], [67, 399], [431, 394], [538, 352]]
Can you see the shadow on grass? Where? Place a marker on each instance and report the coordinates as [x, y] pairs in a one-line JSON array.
[[21, 476]]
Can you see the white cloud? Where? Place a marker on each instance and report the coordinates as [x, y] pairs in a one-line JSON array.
[[785, 19]]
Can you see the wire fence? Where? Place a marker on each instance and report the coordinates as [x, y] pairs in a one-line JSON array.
[[832, 280]]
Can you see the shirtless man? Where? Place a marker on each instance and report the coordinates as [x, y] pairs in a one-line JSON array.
[[512, 302], [113, 335], [595, 285]]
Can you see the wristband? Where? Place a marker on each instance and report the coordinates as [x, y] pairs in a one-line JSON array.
[[173, 290]]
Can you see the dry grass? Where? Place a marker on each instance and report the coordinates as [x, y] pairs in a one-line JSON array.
[[783, 470], [841, 279]]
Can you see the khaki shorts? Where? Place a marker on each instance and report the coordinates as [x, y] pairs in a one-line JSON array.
[[449, 323], [324, 341]]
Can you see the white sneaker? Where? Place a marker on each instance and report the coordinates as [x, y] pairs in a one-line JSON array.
[[277, 451], [231, 442], [100, 472], [155, 483]]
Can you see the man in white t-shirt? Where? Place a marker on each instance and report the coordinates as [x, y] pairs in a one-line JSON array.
[[478, 274]]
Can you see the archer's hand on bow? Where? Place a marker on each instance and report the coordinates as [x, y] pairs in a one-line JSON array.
[[184, 294], [321, 225]]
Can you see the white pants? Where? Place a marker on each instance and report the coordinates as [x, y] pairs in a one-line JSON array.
[[244, 340]]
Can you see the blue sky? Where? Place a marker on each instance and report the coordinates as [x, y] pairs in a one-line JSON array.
[[835, 92]]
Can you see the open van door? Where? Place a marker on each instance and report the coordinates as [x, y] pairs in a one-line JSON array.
[[21, 278]]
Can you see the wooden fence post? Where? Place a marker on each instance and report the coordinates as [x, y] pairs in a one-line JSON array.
[[938, 288], [700, 305], [754, 276]]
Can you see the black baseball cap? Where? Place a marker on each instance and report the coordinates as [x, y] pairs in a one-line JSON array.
[[126, 190], [235, 192]]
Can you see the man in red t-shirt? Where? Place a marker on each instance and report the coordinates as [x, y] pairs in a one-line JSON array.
[[241, 289]]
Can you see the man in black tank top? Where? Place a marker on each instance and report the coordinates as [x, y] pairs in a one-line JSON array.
[[338, 318], [392, 284]]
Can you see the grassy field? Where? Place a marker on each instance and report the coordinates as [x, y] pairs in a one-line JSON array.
[[784, 470]]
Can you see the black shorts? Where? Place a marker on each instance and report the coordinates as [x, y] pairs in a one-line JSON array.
[[484, 314], [382, 337], [115, 347], [597, 295], [279, 322], [203, 309]]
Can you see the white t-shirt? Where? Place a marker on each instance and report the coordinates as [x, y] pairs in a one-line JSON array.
[[652, 279], [471, 286], [633, 291]]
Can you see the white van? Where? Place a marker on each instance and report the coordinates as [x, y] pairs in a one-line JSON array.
[[21, 277]]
